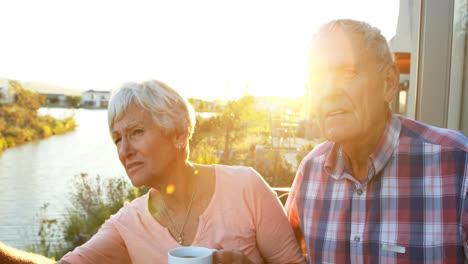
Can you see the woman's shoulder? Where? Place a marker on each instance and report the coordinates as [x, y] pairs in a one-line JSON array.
[[238, 176], [132, 209]]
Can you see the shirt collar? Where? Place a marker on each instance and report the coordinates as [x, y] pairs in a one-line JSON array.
[[336, 162]]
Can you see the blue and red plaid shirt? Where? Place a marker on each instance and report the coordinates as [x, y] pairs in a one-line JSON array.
[[410, 209]]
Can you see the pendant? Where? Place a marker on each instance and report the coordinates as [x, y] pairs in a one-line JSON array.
[[180, 240]]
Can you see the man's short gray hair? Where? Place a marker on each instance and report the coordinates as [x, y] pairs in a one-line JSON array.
[[370, 35], [171, 112]]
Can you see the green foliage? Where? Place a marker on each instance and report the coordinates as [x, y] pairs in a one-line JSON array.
[[3, 144], [46, 131], [197, 104], [10, 141], [204, 154], [48, 234], [232, 125], [274, 168], [231, 138], [20, 123], [94, 201], [24, 98], [73, 101], [305, 149]]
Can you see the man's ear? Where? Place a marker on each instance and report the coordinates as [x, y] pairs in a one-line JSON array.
[[392, 81]]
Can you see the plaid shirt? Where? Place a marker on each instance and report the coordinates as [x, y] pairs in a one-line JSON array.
[[410, 209]]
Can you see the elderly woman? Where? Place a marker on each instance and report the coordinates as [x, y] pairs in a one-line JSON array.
[[231, 209]]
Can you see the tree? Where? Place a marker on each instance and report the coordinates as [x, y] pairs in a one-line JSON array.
[[24, 98], [237, 126], [237, 120], [72, 100]]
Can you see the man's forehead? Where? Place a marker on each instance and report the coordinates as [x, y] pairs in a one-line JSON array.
[[336, 47]]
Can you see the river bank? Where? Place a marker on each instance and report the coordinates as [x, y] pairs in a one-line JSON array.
[[21, 123], [42, 172]]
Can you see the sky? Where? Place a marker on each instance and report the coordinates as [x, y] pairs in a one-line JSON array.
[[204, 49]]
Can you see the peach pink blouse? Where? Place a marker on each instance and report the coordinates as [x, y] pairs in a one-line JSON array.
[[244, 214]]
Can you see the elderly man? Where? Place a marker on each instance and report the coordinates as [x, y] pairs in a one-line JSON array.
[[383, 188]]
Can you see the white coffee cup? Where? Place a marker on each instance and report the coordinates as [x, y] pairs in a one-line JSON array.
[[190, 255]]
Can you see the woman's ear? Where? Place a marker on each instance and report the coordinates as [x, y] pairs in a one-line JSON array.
[[392, 81], [181, 141]]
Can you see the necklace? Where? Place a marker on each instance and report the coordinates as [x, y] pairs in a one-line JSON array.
[[166, 211]]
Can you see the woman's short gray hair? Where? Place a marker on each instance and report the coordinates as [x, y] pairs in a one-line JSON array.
[[374, 40], [171, 112]]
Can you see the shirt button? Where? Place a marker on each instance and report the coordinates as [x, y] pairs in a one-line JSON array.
[[357, 239], [359, 192]]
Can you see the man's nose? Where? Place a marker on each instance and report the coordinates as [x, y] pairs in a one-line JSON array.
[[330, 86]]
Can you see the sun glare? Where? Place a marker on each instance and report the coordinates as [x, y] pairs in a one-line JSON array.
[[218, 52], [170, 189]]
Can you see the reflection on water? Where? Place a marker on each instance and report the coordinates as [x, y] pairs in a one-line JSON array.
[[40, 172]]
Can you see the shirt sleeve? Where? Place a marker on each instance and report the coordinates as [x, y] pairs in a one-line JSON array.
[[275, 238], [292, 202], [464, 215], [106, 246]]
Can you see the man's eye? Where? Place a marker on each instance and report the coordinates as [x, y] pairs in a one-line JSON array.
[[117, 141], [349, 73], [315, 77], [137, 132]]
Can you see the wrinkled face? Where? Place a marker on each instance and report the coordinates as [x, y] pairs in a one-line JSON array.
[[143, 150], [347, 87]]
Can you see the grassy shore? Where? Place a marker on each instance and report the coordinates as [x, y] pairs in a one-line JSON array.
[[20, 122]]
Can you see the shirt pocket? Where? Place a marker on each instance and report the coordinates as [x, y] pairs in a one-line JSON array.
[[419, 248]]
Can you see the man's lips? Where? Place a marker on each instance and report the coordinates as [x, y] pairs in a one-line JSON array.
[[134, 165], [334, 112]]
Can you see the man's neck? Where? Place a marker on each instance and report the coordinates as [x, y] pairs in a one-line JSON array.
[[358, 151]]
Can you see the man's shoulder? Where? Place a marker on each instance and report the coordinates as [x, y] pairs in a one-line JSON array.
[[318, 153], [413, 131], [320, 150]]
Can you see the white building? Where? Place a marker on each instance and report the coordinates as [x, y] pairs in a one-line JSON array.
[[98, 99], [57, 99], [5, 97], [431, 44]]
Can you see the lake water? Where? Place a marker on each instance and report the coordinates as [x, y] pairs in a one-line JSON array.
[[41, 172]]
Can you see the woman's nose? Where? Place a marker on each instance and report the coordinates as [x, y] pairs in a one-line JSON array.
[[125, 148]]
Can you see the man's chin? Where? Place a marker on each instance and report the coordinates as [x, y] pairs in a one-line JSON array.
[[338, 135], [136, 181]]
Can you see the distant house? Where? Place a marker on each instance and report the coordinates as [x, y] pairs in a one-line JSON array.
[[5, 96], [97, 99]]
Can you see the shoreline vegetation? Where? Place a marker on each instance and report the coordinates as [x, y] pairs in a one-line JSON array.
[[20, 122]]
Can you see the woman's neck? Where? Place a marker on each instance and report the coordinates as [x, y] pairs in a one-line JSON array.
[[179, 183]]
